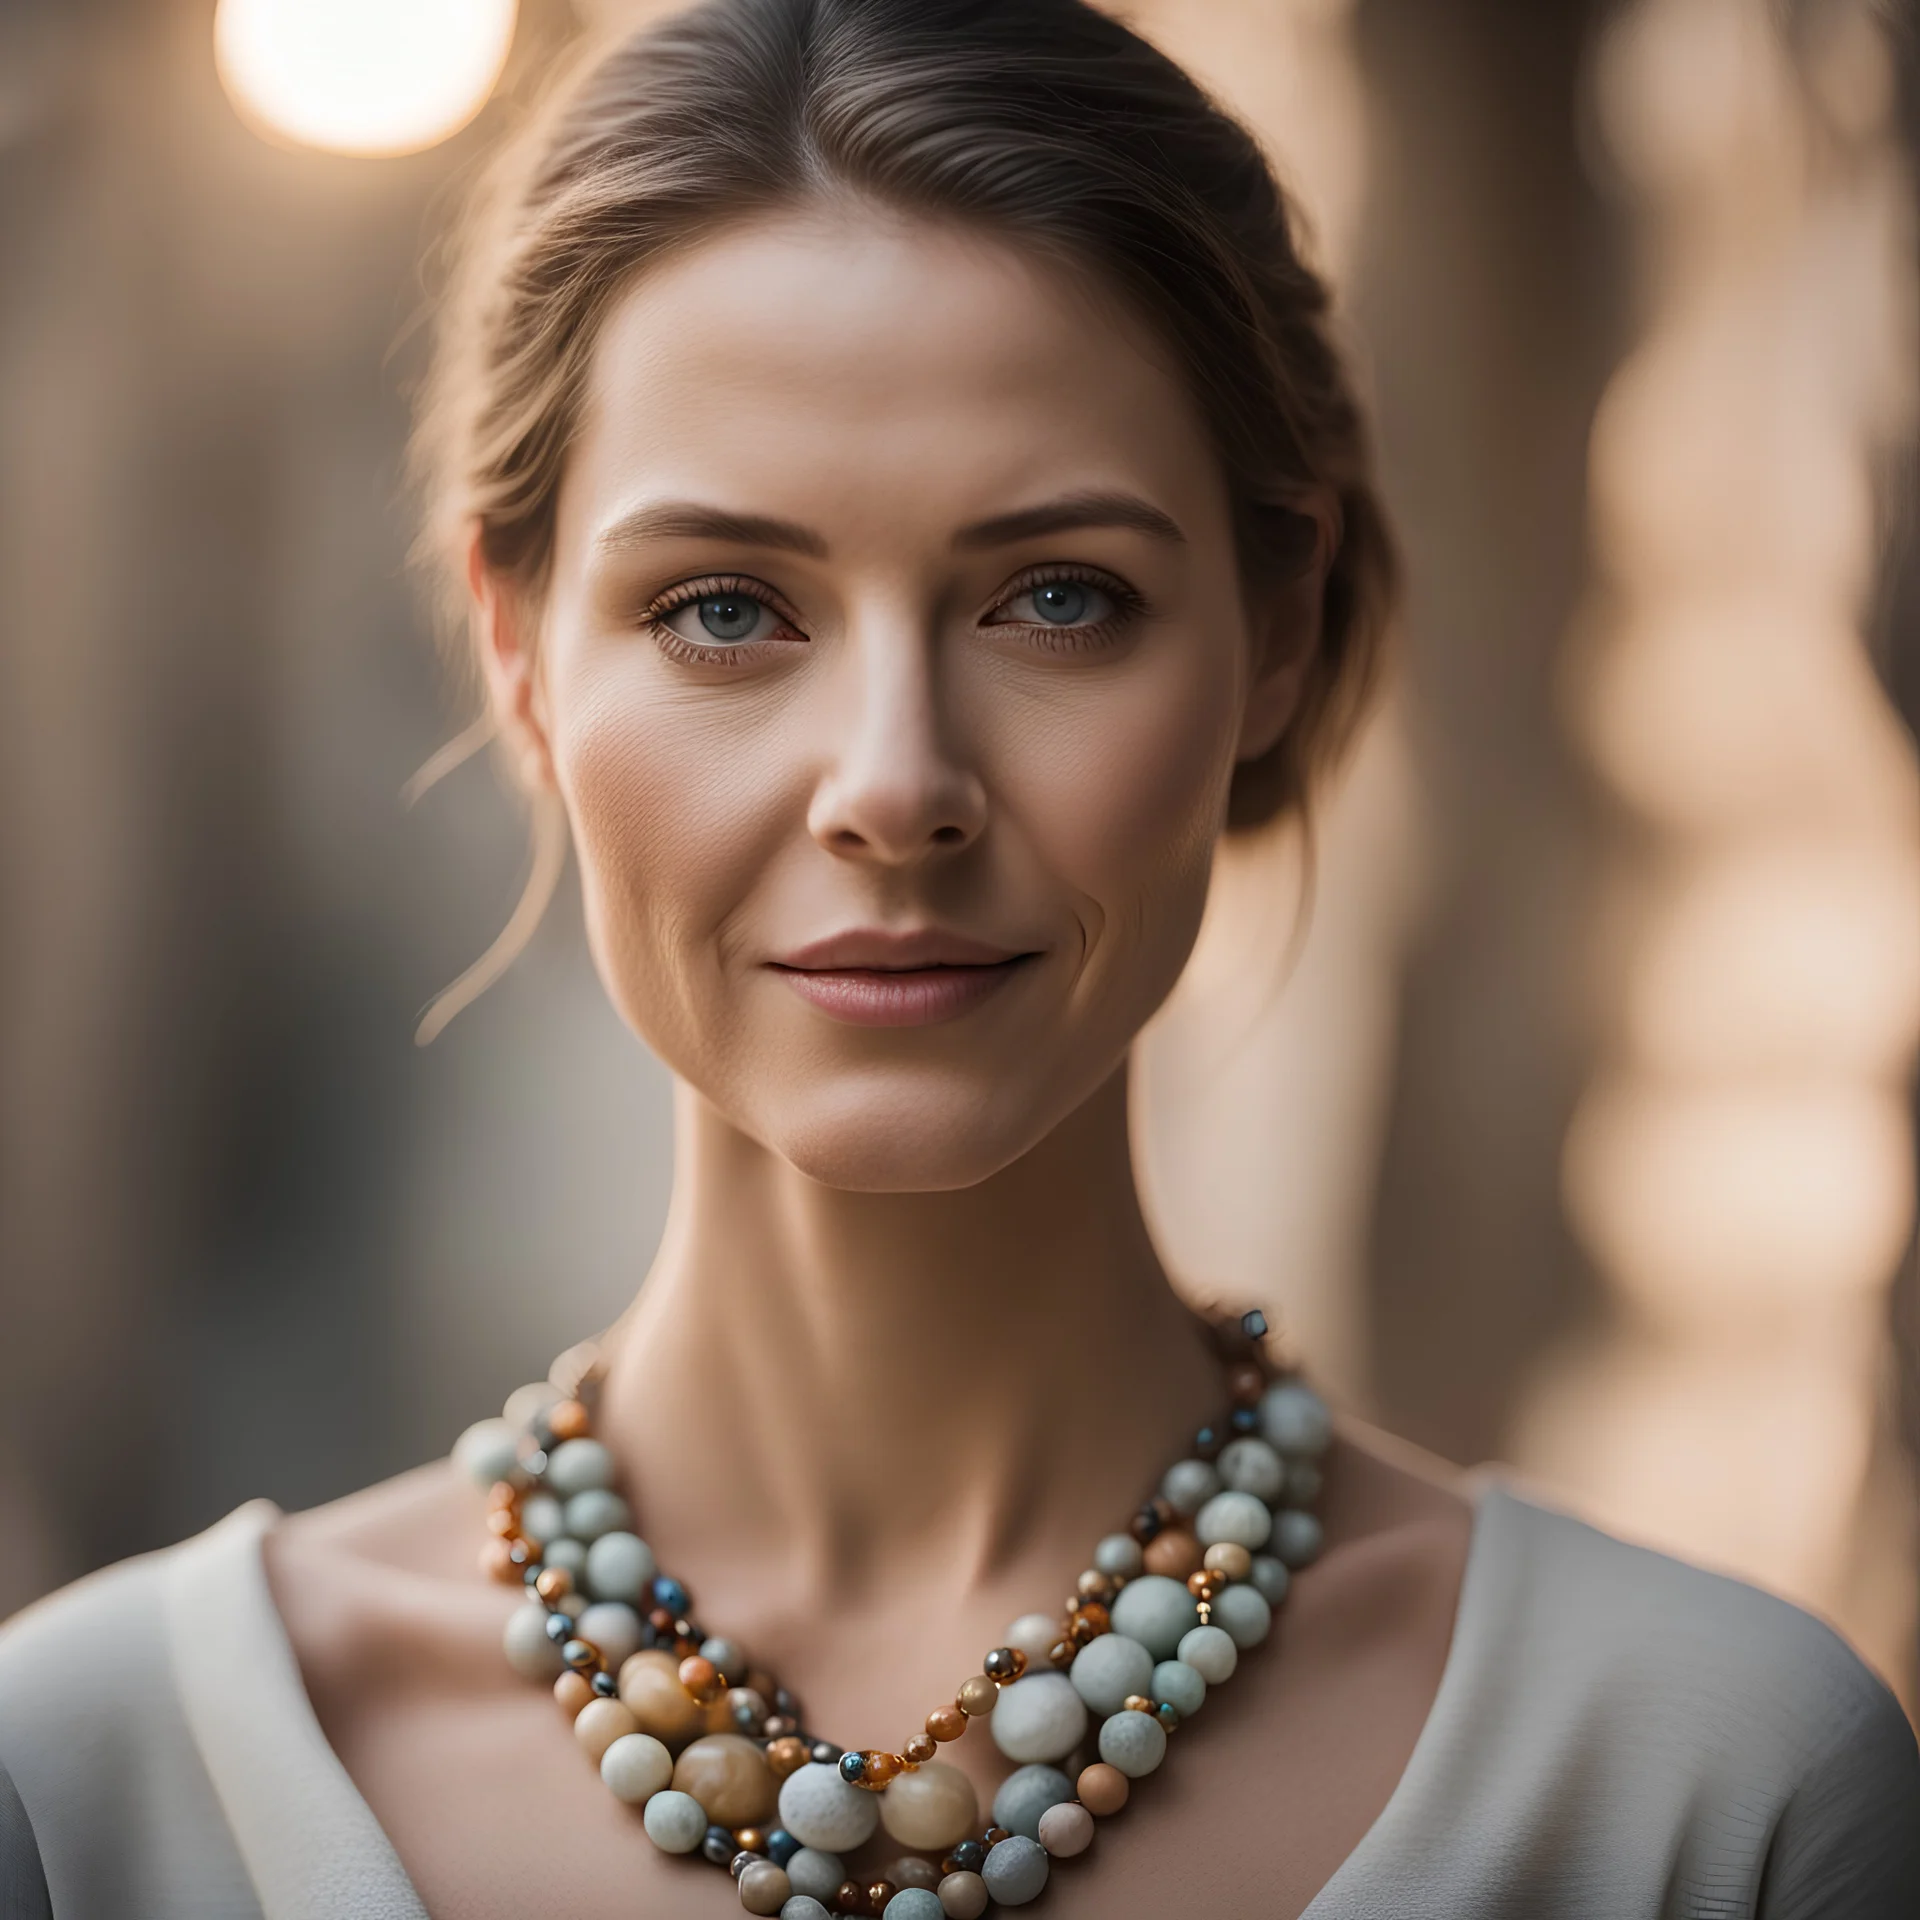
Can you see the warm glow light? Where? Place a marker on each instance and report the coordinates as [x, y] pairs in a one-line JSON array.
[[362, 76]]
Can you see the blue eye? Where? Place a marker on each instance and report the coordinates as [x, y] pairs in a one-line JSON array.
[[728, 619], [1061, 601], [729, 616]]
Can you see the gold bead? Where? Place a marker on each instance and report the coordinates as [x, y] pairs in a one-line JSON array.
[[975, 1696], [919, 1750], [1230, 1558], [1136, 1703], [554, 1583]]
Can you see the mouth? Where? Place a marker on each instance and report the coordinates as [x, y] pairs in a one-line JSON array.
[[871, 978]]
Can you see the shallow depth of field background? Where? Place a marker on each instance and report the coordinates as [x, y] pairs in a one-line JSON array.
[[1581, 1134]]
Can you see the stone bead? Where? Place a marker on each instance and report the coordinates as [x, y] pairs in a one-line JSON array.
[[730, 1777], [1244, 1615], [1174, 1553], [1269, 1578], [599, 1724], [976, 1695], [1025, 1794], [915, 1903], [1034, 1634], [1188, 1485], [619, 1566], [1106, 1670], [1103, 1789], [765, 1888], [597, 1511], [1295, 1419], [1040, 1717], [726, 1656], [1119, 1555], [542, 1518], [488, 1451], [526, 1404], [1249, 1465], [1135, 1743], [530, 1653], [1066, 1830], [1228, 1557], [578, 1466], [820, 1810], [675, 1822], [1297, 1538], [651, 1690], [614, 1628], [963, 1896], [1238, 1518], [566, 1553], [803, 1906], [1179, 1685], [816, 1874], [930, 1809], [1211, 1651], [636, 1767], [1016, 1870], [1155, 1611]]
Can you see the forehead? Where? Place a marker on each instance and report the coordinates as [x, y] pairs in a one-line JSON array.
[[854, 363]]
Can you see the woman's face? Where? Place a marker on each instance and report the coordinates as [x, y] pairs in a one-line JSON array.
[[893, 670]]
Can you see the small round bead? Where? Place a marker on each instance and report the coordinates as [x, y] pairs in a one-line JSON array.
[[750, 1839], [1211, 1652], [1137, 1703], [1063, 1653], [1025, 1794], [542, 1518], [879, 1892], [1245, 1420], [746, 1709], [1230, 1558], [1244, 1615], [946, 1723], [1136, 1743], [1033, 1634], [580, 1653], [882, 1768], [765, 1888], [1108, 1669], [803, 1906], [565, 1552], [718, 1846], [604, 1685], [964, 1858], [675, 1822], [824, 1751], [578, 1466], [915, 1903], [820, 1810], [1297, 1538], [487, 1452], [1095, 1585], [572, 1691], [787, 1755], [1295, 1419], [529, 1650], [1249, 1465], [976, 1695], [1155, 1611], [1206, 1584], [1207, 1443], [1118, 1555], [1004, 1664], [598, 1511], [1189, 1484], [1016, 1871], [851, 1897], [911, 1871], [1102, 1789], [1066, 1830], [636, 1767], [920, 1748], [553, 1583], [1269, 1578], [1245, 1384], [669, 1593], [1237, 1517], [1178, 1685], [781, 1846], [1174, 1553], [1086, 1620], [730, 1777], [1039, 1718], [993, 1836], [725, 1655], [963, 1896], [702, 1679], [815, 1873], [599, 1724], [613, 1627], [1168, 1715]]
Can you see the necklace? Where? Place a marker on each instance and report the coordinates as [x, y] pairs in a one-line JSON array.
[[716, 1753]]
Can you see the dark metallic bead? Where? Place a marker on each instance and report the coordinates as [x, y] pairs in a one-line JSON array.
[[605, 1685], [853, 1768], [1246, 1419], [779, 1726], [781, 1846], [669, 1593], [559, 1628], [994, 1835], [1207, 1443], [1144, 1525], [579, 1653], [1254, 1324], [718, 1846], [531, 1571], [968, 1857], [825, 1753], [742, 1860], [784, 1702]]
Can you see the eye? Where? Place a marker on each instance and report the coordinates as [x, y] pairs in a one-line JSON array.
[[722, 619], [1059, 603]]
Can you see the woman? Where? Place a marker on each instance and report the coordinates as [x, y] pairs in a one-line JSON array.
[[908, 510]]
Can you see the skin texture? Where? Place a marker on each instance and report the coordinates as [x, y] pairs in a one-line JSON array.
[[906, 1348]]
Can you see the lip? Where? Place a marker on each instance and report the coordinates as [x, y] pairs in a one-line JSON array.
[[872, 977]]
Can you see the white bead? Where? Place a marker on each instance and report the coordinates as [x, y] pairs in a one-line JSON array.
[[1237, 1519], [567, 1554], [487, 1452], [636, 1767], [1297, 1538], [1136, 1743], [1249, 1465], [1269, 1579], [816, 1874], [1107, 1669], [1244, 1614], [1295, 1419], [1188, 1485], [619, 1566], [820, 1810], [1039, 1717], [1155, 1611], [614, 1628], [599, 1510], [1210, 1651], [525, 1404], [542, 1518], [1034, 1634], [675, 1822], [1118, 1555], [1177, 1685], [529, 1652], [576, 1466]]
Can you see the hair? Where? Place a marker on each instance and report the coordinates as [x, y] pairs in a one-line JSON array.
[[1045, 122]]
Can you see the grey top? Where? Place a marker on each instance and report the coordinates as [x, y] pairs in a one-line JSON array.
[[1617, 1736]]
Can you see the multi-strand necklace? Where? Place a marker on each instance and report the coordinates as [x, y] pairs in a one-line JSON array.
[[717, 1754]]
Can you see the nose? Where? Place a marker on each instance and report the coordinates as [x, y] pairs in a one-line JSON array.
[[895, 791]]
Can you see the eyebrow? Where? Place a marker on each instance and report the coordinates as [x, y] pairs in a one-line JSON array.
[[1070, 511]]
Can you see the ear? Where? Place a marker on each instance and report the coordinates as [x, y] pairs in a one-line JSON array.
[[1285, 624], [510, 661]]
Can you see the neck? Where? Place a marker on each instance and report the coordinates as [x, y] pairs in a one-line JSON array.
[[821, 1382]]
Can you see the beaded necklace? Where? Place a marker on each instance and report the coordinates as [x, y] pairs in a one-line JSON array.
[[715, 1752]]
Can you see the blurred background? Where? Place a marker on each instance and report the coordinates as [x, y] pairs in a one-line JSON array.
[[1578, 1133]]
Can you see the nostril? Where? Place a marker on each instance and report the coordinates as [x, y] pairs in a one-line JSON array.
[[949, 836]]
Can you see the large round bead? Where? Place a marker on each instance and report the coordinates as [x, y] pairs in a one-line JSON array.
[[597, 1511], [1244, 1615], [1118, 1554], [487, 1452], [1188, 1485], [1066, 1830], [614, 1628], [1155, 1611], [1295, 1419], [816, 1874], [820, 1810], [1211, 1651], [1297, 1537], [530, 1653], [1177, 1685], [675, 1822], [803, 1906], [650, 1687], [599, 1724], [931, 1809], [963, 1896], [1270, 1578], [1016, 1869], [730, 1777], [1240, 1518], [1025, 1794], [578, 1466], [1135, 1743], [1034, 1634], [915, 1903], [1107, 1669], [1249, 1465], [765, 1888], [636, 1767], [619, 1567], [1040, 1717], [542, 1518]]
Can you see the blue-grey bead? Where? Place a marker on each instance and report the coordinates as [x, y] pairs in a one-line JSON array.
[[1304, 1481], [915, 1903], [726, 1655], [815, 1873], [578, 1466], [1249, 1465], [1136, 1743], [1025, 1794], [542, 1518], [568, 1554], [597, 1511], [613, 1627], [1039, 1717], [1211, 1652], [1175, 1684], [1016, 1869], [1269, 1579], [1155, 1611], [1106, 1670], [1188, 1485], [1295, 1419], [489, 1450], [1118, 1555], [1239, 1519], [803, 1906], [619, 1566], [675, 1821], [1297, 1538], [1243, 1615]]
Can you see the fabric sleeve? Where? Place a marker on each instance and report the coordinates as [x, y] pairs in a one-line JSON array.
[[23, 1882]]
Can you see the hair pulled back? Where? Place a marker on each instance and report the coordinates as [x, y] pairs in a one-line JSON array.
[[1044, 121]]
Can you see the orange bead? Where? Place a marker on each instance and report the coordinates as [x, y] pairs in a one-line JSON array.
[[946, 1723], [1102, 1789], [976, 1695], [1246, 1383], [568, 1420], [1095, 1585], [503, 1493], [751, 1840], [919, 1750], [573, 1691], [503, 1521], [879, 1892], [1061, 1655], [881, 1767], [702, 1679], [496, 1562], [787, 1756], [1174, 1553], [1206, 1584], [1137, 1703], [554, 1583], [852, 1897]]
